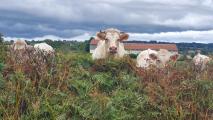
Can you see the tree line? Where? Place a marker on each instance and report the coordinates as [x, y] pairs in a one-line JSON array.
[[183, 48]]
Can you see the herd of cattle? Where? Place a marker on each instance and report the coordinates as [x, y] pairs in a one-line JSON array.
[[23, 54], [110, 44], [22, 45]]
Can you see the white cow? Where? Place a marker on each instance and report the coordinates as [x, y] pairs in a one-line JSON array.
[[19, 45], [110, 44], [45, 54], [44, 47], [157, 58], [20, 51], [200, 61], [164, 56]]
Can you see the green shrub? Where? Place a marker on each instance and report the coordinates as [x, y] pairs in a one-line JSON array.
[[1, 67], [134, 56], [3, 53], [80, 88]]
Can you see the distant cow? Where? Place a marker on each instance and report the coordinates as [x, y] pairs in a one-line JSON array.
[[157, 58], [164, 56], [200, 61], [20, 51], [19, 45], [45, 54], [44, 48], [110, 44]]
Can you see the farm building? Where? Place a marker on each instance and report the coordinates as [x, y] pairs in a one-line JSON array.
[[136, 48]]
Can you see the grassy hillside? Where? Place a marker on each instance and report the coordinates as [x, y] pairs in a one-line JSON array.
[[76, 87]]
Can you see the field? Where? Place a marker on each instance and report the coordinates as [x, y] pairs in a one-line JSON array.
[[75, 87]]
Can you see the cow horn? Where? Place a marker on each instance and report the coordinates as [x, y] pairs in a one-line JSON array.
[[102, 31]]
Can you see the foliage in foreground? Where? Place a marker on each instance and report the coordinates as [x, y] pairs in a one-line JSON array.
[[3, 53], [80, 88]]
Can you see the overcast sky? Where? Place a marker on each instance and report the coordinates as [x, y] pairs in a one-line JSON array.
[[161, 20]]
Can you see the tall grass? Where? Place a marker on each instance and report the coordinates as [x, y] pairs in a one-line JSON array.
[[76, 87], [3, 52]]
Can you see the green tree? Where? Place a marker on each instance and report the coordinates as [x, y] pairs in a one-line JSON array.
[[1, 38], [2, 49], [87, 42]]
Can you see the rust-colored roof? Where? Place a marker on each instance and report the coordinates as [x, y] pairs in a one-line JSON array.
[[93, 42], [144, 46]]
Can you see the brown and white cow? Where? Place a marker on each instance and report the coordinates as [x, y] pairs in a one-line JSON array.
[[44, 53], [110, 44], [156, 58], [44, 48], [147, 58]]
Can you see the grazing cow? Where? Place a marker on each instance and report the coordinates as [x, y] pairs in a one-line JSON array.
[[110, 44], [200, 61], [157, 58], [44, 48], [147, 58]]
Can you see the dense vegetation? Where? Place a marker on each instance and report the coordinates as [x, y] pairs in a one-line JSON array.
[[2, 50], [76, 87]]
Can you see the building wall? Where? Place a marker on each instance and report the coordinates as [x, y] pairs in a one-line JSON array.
[[92, 48]]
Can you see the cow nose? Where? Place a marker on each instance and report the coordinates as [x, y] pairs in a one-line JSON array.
[[113, 49]]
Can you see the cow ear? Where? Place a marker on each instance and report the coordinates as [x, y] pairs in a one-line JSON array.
[[101, 35], [174, 57], [124, 36], [153, 56]]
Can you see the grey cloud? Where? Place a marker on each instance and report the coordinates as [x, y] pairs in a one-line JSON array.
[[185, 36], [120, 12], [70, 18]]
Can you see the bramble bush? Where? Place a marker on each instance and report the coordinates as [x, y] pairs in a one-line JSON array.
[[80, 88]]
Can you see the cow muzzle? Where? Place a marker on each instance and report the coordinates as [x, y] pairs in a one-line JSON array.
[[113, 50]]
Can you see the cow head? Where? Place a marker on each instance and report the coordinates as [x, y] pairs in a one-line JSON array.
[[19, 45], [153, 58], [112, 37], [163, 57]]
